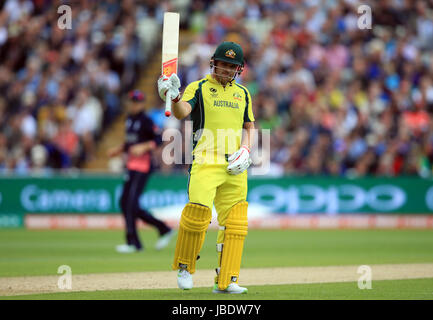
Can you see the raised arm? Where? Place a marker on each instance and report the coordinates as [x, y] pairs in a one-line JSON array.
[[180, 109]]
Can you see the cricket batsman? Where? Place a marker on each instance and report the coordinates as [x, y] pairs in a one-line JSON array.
[[223, 125]]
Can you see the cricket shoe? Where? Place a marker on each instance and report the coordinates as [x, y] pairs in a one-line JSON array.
[[233, 288], [184, 279], [127, 248], [164, 240]]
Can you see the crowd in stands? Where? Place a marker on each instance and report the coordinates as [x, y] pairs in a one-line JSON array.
[[337, 99], [60, 86]]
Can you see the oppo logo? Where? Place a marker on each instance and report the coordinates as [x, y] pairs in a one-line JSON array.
[[429, 198], [332, 199]]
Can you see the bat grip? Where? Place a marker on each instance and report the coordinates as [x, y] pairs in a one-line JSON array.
[[168, 105]]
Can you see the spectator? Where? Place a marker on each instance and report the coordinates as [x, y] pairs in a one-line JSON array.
[[349, 101], [48, 74], [317, 81]]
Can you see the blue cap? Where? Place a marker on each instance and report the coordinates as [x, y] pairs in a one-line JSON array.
[[136, 95]]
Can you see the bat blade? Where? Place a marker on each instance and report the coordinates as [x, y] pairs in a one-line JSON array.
[[170, 47]]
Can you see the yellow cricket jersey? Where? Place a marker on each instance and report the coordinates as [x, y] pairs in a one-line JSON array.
[[218, 115]]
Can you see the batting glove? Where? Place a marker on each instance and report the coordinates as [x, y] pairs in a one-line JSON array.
[[169, 85], [239, 161]]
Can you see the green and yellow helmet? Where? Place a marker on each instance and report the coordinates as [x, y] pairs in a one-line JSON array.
[[229, 52]]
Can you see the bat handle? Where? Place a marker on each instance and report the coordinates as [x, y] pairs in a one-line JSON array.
[[168, 105]]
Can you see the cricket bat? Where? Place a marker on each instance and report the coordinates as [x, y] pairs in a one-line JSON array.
[[170, 44]]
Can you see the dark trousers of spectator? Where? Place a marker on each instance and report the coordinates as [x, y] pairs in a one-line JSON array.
[[129, 202]]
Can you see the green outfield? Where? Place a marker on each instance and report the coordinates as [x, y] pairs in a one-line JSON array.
[[40, 253]]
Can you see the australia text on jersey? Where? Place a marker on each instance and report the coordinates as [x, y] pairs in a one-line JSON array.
[[227, 104]]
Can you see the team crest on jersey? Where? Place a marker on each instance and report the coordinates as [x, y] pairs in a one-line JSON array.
[[230, 53], [237, 96], [214, 92]]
